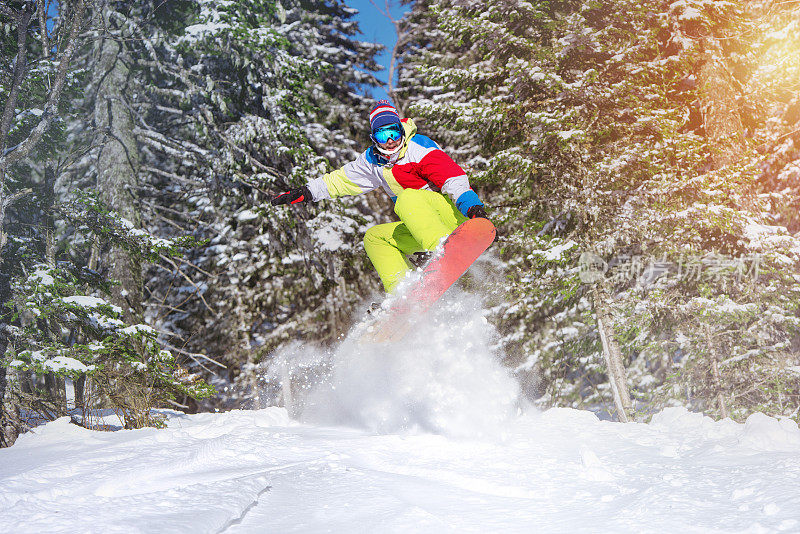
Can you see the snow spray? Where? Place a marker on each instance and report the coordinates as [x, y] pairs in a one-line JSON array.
[[445, 377]]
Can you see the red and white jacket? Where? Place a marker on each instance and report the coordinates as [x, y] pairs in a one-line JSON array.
[[419, 164]]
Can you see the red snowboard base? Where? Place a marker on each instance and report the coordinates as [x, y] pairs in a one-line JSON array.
[[460, 250]]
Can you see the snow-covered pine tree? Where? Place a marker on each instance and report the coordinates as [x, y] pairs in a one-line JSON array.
[[55, 325], [233, 102], [34, 89], [425, 43], [66, 331], [596, 128]]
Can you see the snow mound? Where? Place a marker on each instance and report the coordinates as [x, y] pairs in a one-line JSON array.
[[760, 433], [200, 474], [764, 433]]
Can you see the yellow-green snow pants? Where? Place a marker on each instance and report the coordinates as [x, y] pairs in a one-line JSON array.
[[426, 218]]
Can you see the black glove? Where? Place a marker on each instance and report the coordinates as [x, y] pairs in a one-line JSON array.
[[293, 196], [477, 211]]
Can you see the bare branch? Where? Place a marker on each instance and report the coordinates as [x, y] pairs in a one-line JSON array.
[[43, 28], [179, 271], [390, 89], [385, 13], [190, 264], [195, 354], [176, 404], [166, 220], [7, 201], [179, 213], [165, 306]]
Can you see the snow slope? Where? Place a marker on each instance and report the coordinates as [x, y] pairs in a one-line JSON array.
[[426, 436], [559, 471]]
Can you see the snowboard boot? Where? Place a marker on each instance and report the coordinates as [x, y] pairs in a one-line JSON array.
[[420, 259], [374, 309]]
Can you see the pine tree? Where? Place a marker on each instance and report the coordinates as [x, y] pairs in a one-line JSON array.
[[56, 327], [601, 125], [226, 105], [30, 129], [239, 101]]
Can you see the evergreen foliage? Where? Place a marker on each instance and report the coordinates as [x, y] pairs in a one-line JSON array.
[[56, 324], [593, 127], [245, 99], [640, 158], [216, 105]]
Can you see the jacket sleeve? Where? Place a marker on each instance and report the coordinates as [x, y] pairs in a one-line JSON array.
[[442, 171], [353, 178]]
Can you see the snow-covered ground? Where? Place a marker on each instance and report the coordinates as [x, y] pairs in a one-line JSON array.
[[426, 436], [558, 471]]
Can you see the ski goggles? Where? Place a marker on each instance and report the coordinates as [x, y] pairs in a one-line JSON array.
[[392, 131]]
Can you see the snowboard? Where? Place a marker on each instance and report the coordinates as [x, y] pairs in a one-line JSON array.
[[461, 248]]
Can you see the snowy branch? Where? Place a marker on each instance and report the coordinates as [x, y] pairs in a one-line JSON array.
[[20, 70], [178, 270], [172, 176], [7, 201], [50, 110], [169, 145]]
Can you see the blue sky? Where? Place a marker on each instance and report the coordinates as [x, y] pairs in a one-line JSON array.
[[376, 27]]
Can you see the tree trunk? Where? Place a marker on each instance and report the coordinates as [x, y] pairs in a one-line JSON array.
[[716, 377], [721, 119], [613, 358], [9, 413], [118, 161]]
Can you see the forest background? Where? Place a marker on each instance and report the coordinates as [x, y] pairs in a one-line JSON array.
[[640, 159]]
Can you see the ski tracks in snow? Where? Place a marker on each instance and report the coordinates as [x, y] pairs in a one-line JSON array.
[[197, 473], [558, 471]]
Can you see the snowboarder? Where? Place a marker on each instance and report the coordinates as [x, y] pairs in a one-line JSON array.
[[431, 193]]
